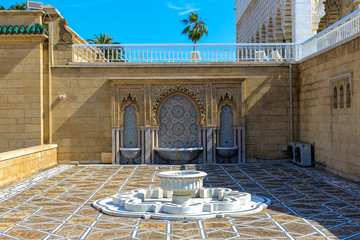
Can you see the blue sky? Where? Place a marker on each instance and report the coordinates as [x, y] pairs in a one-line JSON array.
[[145, 21]]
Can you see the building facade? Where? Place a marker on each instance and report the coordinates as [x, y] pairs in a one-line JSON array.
[[287, 21], [133, 111]]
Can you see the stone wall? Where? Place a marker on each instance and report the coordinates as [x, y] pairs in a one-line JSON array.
[[18, 164], [82, 122], [335, 133], [21, 99]]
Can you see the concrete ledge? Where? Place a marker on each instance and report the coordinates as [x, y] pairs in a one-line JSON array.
[[25, 151], [21, 163]]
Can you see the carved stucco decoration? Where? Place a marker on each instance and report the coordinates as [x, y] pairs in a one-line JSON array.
[[227, 97], [227, 100], [126, 102], [318, 11], [120, 96], [159, 92], [64, 35]]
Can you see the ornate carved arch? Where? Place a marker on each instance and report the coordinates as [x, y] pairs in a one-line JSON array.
[[178, 88], [132, 102], [196, 101], [227, 99]]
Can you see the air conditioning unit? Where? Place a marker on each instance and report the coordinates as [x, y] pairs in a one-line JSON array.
[[301, 153], [291, 151], [34, 5]]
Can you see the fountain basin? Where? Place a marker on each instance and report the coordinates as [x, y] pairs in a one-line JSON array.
[[226, 152], [178, 155], [130, 153], [182, 183]]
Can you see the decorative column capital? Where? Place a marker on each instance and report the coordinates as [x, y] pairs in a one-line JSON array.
[[318, 7], [317, 12]]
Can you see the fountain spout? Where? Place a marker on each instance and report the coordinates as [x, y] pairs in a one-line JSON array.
[[182, 183]]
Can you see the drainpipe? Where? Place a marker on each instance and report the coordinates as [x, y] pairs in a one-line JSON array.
[[51, 63], [291, 104]]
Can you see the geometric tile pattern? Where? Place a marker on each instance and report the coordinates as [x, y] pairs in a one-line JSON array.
[[305, 204], [130, 131], [226, 127], [178, 123]]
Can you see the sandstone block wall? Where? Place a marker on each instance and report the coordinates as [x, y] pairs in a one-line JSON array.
[[82, 122], [18, 164], [21, 85], [335, 133]]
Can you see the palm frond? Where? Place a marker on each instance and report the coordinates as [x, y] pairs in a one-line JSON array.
[[196, 27]]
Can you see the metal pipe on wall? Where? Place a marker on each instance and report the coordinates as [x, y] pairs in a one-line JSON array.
[[291, 104]]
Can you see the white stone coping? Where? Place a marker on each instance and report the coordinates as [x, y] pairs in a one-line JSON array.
[[227, 148], [26, 151], [129, 149], [182, 174], [179, 149]]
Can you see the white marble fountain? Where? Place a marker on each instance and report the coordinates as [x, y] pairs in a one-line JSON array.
[[182, 197]]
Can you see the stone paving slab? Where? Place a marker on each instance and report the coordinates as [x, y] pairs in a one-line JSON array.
[[56, 204]]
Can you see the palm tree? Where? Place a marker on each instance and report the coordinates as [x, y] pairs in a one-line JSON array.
[[102, 39], [2, 8], [196, 28], [105, 39], [18, 6]]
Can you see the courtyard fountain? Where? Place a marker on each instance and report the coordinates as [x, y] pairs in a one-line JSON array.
[[181, 197]]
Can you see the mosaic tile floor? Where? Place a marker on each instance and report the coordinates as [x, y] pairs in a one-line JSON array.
[[56, 204]]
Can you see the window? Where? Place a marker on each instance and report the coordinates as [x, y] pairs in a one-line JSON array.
[[340, 90], [341, 96], [348, 96], [335, 98]]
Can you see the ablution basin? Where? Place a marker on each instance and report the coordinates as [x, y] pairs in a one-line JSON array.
[[181, 197]]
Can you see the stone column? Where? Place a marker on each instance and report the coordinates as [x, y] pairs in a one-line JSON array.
[[147, 145], [209, 145], [301, 20]]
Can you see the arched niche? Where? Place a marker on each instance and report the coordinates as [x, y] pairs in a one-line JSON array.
[[226, 127], [228, 100], [179, 120], [130, 133], [129, 101]]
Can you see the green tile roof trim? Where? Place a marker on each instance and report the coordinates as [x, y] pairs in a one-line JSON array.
[[37, 28]]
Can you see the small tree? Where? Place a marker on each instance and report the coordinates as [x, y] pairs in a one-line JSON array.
[[2, 8], [105, 39], [196, 28], [18, 6]]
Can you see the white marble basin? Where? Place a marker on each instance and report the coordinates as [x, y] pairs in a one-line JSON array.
[[130, 153], [182, 183], [226, 152], [178, 155]]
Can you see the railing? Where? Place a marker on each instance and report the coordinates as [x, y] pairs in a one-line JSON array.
[[341, 30], [184, 52]]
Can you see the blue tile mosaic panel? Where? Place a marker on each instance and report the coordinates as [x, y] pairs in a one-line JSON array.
[[178, 119], [226, 127], [130, 131]]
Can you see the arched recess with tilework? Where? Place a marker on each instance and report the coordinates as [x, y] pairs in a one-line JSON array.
[[179, 119]]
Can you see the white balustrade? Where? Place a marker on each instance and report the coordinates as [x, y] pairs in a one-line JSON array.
[[336, 33], [110, 53], [237, 52]]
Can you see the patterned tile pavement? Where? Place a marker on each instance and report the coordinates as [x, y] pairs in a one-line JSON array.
[[56, 204]]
